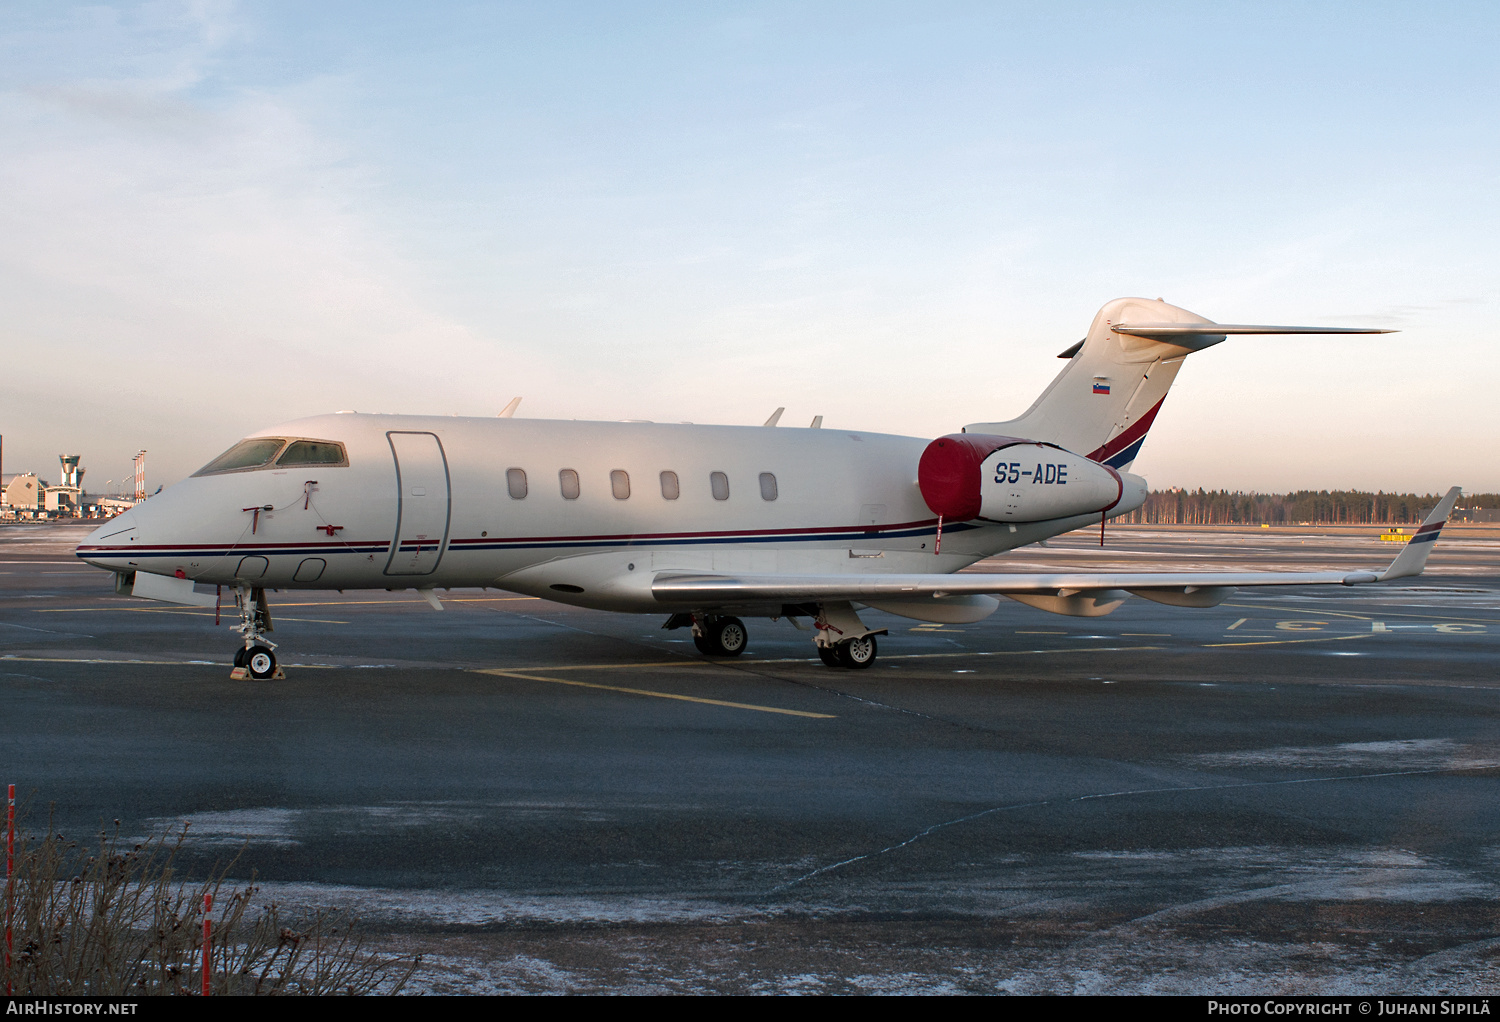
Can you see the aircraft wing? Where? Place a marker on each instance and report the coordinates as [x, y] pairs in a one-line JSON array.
[[1182, 588], [680, 587]]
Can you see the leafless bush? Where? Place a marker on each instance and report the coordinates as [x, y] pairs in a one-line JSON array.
[[122, 922]]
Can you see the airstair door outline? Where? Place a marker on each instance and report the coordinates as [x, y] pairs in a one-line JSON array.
[[423, 503]]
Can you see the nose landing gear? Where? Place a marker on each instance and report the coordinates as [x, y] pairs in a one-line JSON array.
[[255, 659]]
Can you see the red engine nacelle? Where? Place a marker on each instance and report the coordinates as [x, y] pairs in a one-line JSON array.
[[964, 476]]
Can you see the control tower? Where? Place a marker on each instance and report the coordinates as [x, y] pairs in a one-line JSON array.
[[72, 475], [66, 498]]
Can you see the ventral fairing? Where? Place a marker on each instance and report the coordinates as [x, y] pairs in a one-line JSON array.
[[708, 525]]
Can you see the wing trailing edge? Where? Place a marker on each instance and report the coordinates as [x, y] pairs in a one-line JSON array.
[[1075, 593]]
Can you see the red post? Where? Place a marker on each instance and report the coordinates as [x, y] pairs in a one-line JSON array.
[[208, 903], [10, 870]]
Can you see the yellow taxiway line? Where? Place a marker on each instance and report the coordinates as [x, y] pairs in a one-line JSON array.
[[8, 658], [1288, 642], [520, 676], [169, 610]]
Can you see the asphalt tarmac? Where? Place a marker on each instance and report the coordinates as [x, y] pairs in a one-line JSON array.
[[1297, 791]]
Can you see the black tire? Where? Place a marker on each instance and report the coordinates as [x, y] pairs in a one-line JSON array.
[[240, 655], [261, 663], [723, 636], [829, 656], [730, 636], [857, 654]]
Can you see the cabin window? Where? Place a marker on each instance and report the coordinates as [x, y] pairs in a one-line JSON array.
[[719, 483], [619, 484], [515, 481], [246, 454], [569, 480], [312, 452], [767, 486], [669, 488]]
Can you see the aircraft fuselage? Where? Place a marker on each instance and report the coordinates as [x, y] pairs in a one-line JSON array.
[[431, 502]]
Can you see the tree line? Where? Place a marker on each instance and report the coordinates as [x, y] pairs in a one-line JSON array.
[[1302, 507]]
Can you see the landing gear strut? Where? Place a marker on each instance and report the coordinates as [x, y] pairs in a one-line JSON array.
[[255, 659], [842, 639]]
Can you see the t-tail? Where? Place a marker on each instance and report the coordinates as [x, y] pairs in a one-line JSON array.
[[1105, 399]]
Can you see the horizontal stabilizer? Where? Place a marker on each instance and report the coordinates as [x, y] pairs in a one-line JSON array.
[[1197, 336], [1170, 330]]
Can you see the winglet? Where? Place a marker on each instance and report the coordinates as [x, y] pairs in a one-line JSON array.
[[1414, 555]]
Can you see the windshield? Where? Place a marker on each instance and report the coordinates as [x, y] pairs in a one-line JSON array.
[[312, 452], [243, 455]]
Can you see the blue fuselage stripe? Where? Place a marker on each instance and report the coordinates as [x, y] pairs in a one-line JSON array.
[[545, 544]]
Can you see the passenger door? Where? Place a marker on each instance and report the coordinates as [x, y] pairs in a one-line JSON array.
[[422, 503]]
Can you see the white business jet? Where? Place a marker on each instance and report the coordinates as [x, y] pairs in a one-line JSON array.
[[709, 524]]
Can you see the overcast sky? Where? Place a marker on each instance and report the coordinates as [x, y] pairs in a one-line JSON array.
[[218, 216]]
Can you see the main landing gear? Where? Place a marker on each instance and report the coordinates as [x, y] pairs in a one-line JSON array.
[[256, 659], [714, 635], [842, 639], [855, 654], [721, 636]]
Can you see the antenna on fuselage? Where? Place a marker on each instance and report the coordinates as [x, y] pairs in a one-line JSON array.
[[817, 422], [775, 417], [509, 411]]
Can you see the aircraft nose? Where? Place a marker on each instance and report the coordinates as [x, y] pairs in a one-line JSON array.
[[109, 545]]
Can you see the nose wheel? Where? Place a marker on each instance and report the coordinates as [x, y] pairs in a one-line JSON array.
[[260, 662], [255, 659]]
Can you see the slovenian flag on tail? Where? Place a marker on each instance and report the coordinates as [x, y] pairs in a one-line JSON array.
[[1101, 388]]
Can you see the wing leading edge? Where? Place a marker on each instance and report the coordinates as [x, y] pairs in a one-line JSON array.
[[1049, 591]]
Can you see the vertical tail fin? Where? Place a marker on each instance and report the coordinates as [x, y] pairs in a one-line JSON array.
[[1107, 396]]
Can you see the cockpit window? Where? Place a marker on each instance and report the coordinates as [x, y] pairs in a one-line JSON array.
[[312, 452], [261, 451], [244, 455]]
